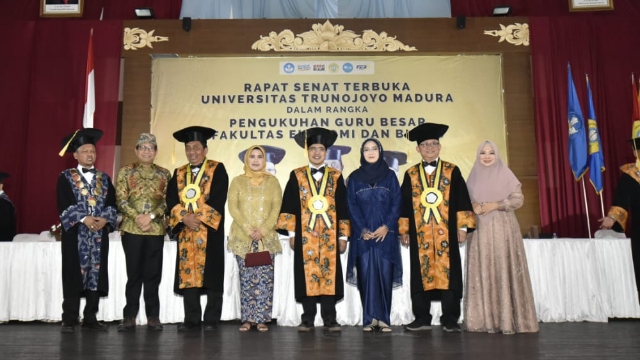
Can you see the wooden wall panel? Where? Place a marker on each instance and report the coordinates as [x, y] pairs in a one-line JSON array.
[[428, 36], [136, 104]]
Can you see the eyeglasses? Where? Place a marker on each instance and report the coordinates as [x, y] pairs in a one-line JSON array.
[[146, 148], [425, 145]]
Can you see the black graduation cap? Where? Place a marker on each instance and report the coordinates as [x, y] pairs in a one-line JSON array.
[[336, 152], [3, 175], [427, 131], [194, 133], [73, 141], [395, 158], [317, 135], [274, 154]]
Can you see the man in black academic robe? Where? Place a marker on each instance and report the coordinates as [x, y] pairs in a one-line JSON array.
[[87, 208], [196, 196], [436, 216], [627, 200], [314, 213]]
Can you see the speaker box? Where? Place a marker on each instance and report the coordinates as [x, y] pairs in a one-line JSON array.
[[461, 22], [186, 24]]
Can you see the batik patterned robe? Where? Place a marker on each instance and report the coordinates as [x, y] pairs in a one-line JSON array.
[[317, 268], [84, 252], [200, 256], [434, 250]]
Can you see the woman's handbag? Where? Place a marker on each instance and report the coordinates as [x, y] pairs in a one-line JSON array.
[[259, 258]]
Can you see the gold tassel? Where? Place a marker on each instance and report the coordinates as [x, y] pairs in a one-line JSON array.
[[66, 146]]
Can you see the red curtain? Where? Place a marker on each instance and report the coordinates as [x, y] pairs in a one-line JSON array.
[[606, 49], [480, 8], [113, 9], [42, 97]]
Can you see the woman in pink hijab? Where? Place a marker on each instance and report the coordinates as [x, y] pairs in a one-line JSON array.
[[498, 295]]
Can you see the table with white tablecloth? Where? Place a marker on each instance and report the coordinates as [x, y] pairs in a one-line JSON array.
[[572, 279]]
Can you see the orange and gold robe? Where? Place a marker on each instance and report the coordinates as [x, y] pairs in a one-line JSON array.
[[200, 255], [317, 266], [434, 251], [626, 200]]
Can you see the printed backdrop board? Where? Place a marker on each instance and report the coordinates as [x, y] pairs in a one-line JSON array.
[[266, 101]]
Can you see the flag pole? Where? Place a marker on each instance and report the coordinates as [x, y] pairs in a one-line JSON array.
[[601, 205], [586, 206]]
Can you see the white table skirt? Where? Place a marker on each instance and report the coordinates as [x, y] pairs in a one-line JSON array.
[[572, 279]]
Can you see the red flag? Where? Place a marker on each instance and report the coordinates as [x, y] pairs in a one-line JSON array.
[[90, 88]]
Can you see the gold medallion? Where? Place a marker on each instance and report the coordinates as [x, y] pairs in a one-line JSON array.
[[190, 194], [84, 192], [431, 197], [92, 201], [318, 204]]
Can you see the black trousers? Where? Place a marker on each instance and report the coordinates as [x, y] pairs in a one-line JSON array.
[[71, 308], [327, 308], [143, 255], [421, 305], [193, 310]]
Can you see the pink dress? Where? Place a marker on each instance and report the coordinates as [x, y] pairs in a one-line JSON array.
[[498, 295]]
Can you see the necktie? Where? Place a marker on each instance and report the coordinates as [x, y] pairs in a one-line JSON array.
[[430, 163], [85, 170], [320, 170]]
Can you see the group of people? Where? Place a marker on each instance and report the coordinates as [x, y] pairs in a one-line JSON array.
[[431, 212]]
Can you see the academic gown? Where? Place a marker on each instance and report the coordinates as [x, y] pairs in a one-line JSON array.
[[294, 205], [218, 185], [7, 219], [627, 200], [72, 207], [459, 212]]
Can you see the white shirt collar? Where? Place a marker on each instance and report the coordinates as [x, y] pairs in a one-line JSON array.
[[88, 176]]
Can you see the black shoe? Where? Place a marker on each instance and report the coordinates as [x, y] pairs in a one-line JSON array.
[[210, 327], [127, 325], [94, 326], [153, 324], [418, 325], [333, 326], [305, 326], [188, 327], [67, 328], [452, 328]]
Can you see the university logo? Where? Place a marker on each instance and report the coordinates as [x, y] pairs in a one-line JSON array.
[[289, 68]]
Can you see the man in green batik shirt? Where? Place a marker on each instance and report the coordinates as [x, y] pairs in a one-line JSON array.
[[140, 192]]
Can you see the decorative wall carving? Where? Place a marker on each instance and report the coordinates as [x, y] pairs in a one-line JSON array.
[[330, 38], [516, 34], [136, 38]]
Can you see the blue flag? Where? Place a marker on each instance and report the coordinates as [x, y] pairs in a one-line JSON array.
[[596, 160], [577, 132]]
